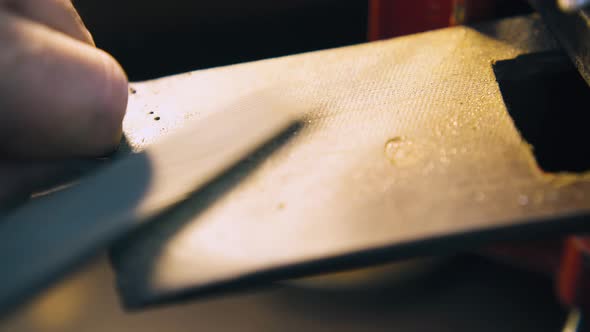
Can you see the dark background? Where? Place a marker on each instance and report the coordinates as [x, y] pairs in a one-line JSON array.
[[156, 38]]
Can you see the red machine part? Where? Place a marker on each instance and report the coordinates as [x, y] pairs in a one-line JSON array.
[[391, 18], [567, 261], [573, 277]]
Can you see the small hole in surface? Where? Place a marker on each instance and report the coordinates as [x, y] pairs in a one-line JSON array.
[[548, 101], [151, 112], [157, 118]]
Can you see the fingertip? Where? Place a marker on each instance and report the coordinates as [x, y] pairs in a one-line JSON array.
[[113, 96]]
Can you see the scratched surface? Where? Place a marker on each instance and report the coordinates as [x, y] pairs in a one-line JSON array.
[[406, 149]]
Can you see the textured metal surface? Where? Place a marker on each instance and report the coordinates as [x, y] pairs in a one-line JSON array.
[[409, 150]]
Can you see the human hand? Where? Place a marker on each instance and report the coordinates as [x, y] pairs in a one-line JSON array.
[[60, 96]]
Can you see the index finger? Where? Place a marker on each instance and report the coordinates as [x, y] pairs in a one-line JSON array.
[[58, 97]]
